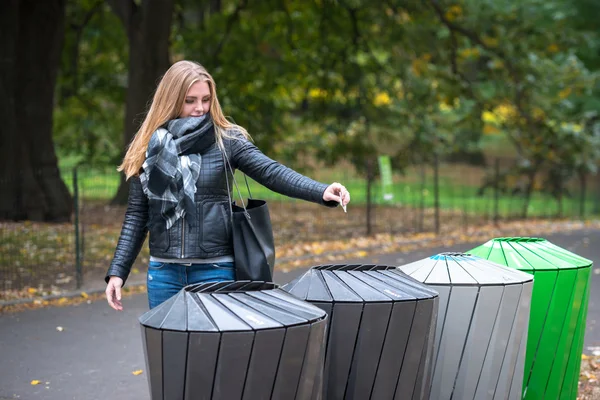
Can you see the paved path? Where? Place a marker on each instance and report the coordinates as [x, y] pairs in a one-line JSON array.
[[94, 356]]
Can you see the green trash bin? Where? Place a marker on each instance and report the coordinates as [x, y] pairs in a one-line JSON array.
[[561, 287]]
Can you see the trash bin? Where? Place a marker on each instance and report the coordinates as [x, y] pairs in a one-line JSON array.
[[234, 340], [380, 333], [481, 328], [558, 312]]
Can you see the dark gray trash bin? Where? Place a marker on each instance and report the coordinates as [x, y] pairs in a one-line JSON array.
[[234, 340], [381, 333]]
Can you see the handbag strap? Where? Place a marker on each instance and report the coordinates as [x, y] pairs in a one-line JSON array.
[[227, 164]]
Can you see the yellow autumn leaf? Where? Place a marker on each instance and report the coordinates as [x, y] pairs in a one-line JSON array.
[[552, 48], [490, 129], [137, 372], [32, 290], [453, 12], [490, 117], [444, 107], [471, 52], [35, 382], [382, 99], [362, 253], [84, 295], [584, 357], [490, 41], [563, 94], [317, 93]]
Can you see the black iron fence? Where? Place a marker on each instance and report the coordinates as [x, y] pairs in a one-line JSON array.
[[38, 256]]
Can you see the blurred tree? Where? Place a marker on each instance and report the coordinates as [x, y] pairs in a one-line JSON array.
[[31, 34], [92, 84], [148, 27]]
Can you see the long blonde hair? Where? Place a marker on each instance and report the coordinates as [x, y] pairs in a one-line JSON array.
[[167, 104]]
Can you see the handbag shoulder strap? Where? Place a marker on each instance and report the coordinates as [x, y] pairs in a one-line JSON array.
[[227, 164]]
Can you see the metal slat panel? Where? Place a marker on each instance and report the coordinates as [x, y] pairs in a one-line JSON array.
[[284, 317], [517, 334], [499, 340], [367, 350], [338, 289], [155, 362], [478, 341], [250, 317], [203, 349], [458, 314], [343, 328], [394, 349], [174, 364], [414, 350], [292, 358], [264, 360], [431, 349], [312, 369], [426, 314], [232, 365]]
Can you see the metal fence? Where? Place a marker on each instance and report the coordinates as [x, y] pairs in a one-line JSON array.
[[427, 198]]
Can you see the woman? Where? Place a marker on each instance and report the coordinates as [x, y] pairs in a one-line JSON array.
[[178, 190]]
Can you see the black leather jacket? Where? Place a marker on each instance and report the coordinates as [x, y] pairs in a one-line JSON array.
[[209, 235]]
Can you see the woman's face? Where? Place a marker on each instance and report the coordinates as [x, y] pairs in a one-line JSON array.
[[197, 100]]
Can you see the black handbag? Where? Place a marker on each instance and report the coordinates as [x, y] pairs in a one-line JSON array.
[[253, 243]]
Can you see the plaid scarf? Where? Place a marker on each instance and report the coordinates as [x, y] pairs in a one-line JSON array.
[[172, 167]]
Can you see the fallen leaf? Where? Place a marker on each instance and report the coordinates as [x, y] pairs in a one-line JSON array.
[[32, 290], [584, 357], [35, 382], [84, 295], [137, 372]]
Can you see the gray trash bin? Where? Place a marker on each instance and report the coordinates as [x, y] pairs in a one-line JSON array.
[[482, 326], [234, 340], [380, 337]]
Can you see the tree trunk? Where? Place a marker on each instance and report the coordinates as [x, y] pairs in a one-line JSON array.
[[436, 192], [32, 188], [370, 179], [528, 191], [582, 193], [148, 25]]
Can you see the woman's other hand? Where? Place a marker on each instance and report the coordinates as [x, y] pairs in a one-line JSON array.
[[113, 292], [337, 192]]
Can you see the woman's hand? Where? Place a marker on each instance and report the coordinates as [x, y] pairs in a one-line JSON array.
[[113, 292], [337, 192]]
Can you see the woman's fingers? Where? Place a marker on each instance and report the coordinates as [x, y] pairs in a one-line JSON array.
[[113, 293], [337, 192]]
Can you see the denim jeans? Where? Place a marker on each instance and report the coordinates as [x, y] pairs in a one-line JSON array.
[[166, 280]]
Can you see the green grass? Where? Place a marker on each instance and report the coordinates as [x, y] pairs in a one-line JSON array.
[[101, 185]]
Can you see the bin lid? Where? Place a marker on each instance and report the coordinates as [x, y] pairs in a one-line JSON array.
[[357, 283], [462, 269], [529, 254], [231, 306]]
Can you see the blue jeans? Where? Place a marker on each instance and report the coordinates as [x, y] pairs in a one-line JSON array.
[[166, 280]]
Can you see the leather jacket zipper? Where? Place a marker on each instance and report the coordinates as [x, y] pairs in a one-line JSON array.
[[182, 237]]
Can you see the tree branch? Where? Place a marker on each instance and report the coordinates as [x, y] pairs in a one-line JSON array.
[[79, 28], [232, 19], [473, 37], [124, 9]]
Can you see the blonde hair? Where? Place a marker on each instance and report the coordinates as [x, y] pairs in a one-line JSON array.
[[167, 104]]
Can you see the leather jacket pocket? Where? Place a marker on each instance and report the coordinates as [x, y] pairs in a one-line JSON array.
[[215, 226]]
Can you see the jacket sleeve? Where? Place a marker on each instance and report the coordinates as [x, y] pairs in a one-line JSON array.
[[246, 157], [133, 232]]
